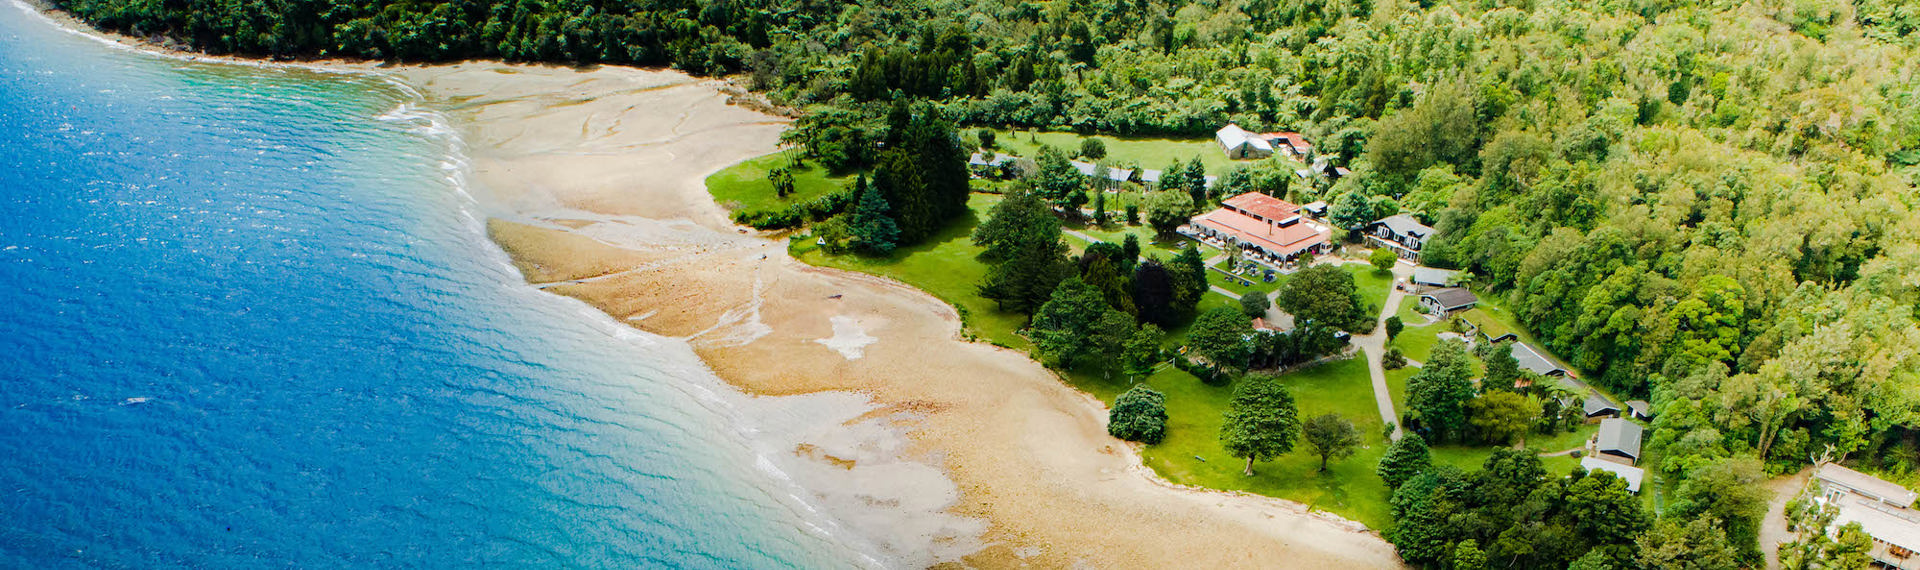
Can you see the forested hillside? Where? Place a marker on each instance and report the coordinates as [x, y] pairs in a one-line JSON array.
[[1708, 203]]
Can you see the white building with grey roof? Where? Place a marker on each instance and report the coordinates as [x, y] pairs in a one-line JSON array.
[[1632, 475], [1882, 508]]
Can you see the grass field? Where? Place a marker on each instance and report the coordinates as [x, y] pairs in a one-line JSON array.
[[1192, 454], [744, 186], [1374, 287], [1417, 342], [1490, 326], [1149, 153], [1397, 387]]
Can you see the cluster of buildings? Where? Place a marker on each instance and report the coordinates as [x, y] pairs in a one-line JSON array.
[[1882, 508], [1616, 448], [1240, 143], [1275, 229]]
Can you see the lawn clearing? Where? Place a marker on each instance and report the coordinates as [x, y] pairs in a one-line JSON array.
[[1471, 457], [744, 186], [1416, 343], [1489, 325], [1151, 243], [1218, 276], [1348, 488], [1374, 287]]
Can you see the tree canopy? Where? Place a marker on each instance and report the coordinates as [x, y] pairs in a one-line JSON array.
[[1220, 336], [1032, 258], [1139, 414], [1331, 437], [1262, 421], [1405, 458], [1439, 392], [1076, 324]]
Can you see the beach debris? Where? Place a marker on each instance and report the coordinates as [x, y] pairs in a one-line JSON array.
[[849, 338]]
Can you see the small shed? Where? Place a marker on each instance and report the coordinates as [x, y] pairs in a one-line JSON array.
[[1238, 143], [1640, 409], [1632, 475], [1317, 209], [1449, 300], [1599, 407], [1619, 439], [1433, 277]]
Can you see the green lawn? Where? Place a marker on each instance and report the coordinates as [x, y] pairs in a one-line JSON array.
[[744, 186], [1374, 287], [1397, 387], [947, 266], [1149, 153], [1192, 454], [1417, 342], [1212, 300], [1470, 457], [1491, 326], [1151, 243], [1221, 280]]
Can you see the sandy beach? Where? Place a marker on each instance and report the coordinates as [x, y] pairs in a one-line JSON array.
[[598, 180], [936, 450]]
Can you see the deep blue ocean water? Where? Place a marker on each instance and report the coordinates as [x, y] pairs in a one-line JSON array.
[[248, 319]]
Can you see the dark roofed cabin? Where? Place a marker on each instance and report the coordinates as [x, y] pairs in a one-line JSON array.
[[1619, 440], [1448, 300]]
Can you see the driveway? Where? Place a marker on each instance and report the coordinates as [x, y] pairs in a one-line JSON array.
[[1375, 348], [1773, 529]]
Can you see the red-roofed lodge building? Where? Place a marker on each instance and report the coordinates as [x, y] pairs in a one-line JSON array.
[[1263, 226]]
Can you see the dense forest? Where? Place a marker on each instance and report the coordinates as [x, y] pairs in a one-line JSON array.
[[1707, 203]]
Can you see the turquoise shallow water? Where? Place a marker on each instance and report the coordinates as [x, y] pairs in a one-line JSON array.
[[248, 319]]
